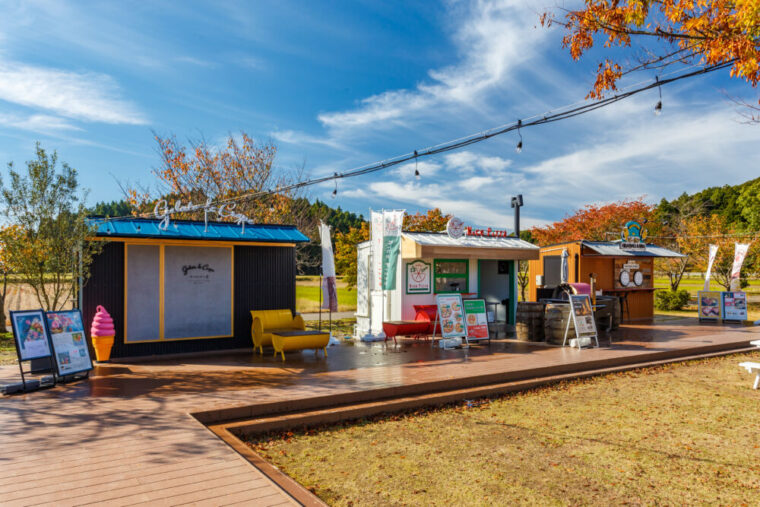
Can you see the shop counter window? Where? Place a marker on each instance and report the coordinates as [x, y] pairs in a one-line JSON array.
[[451, 275]]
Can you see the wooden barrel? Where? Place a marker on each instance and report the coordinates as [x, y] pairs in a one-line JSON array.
[[555, 322], [529, 321]]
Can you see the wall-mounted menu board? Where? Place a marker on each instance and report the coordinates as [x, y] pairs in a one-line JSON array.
[[633, 273]]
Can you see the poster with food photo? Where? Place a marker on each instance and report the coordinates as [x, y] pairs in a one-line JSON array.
[[451, 315], [476, 319], [30, 334], [734, 306], [709, 305], [69, 344]]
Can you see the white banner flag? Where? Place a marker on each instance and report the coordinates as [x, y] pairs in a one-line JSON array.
[[376, 248], [329, 290], [392, 222], [710, 260], [740, 252]]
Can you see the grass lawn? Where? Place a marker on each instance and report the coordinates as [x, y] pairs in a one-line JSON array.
[[696, 284], [7, 349], [678, 434], [308, 291], [753, 312], [340, 327]]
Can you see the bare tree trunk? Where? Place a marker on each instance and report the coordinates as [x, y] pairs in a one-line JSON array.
[[3, 328]]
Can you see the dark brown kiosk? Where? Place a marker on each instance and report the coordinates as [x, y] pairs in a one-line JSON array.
[[188, 286]]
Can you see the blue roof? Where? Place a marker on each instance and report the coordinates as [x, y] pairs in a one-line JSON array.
[[195, 230]]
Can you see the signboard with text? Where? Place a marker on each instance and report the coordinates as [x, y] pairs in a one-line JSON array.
[[476, 319], [734, 306], [30, 334], [709, 305], [418, 277], [451, 315], [69, 342]]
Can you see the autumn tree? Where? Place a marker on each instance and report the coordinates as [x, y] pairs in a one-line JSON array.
[[198, 172], [345, 252], [703, 231], [523, 277], [431, 221], [595, 222], [10, 234], [662, 33], [49, 249]]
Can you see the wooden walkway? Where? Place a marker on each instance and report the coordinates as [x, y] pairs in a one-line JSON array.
[[126, 436]]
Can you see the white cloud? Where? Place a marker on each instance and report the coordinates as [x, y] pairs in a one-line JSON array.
[[37, 123], [494, 39], [84, 96], [295, 137]]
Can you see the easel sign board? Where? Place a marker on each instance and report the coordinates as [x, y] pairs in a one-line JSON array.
[[709, 305], [451, 315], [582, 317], [476, 319], [69, 342], [734, 306], [30, 334]]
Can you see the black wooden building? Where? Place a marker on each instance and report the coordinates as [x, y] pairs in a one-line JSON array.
[[188, 287]]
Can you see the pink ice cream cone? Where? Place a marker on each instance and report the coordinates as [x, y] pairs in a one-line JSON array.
[[102, 333]]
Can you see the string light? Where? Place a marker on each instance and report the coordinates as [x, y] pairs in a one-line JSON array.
[[416, 171], [518, 149], [563, 113], [658, 107]]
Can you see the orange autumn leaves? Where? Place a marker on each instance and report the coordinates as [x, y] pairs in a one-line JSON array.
[[704, 32], [594, 222]]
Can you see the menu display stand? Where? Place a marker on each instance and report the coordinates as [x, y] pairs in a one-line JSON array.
[[450, 319], [582, 317], [32, 339], [476, 320], [67, 336]]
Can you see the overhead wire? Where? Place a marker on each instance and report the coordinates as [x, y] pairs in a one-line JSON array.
[[562, 113]]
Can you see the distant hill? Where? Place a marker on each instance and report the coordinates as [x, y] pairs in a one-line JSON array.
[[738, 204]]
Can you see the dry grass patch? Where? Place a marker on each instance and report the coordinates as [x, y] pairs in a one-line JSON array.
[[678, 434]]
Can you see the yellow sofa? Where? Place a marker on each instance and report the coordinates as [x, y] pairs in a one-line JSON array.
[[265, 322]]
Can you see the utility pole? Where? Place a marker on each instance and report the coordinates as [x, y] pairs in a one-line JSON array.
[[517, 202]]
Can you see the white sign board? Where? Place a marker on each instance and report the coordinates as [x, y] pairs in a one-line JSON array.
[[582, 317]]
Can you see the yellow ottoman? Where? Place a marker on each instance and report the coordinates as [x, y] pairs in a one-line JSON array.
[[284, 341]]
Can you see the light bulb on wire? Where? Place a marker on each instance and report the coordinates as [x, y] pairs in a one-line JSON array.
[[658, 107], [416, 171], [335, 192], [518, 148]]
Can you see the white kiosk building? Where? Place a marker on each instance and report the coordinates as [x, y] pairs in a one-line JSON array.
[[478, 263]]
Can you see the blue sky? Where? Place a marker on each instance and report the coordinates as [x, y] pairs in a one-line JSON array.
[[340, 84]]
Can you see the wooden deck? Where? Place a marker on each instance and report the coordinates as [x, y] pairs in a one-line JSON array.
[[126, 435]]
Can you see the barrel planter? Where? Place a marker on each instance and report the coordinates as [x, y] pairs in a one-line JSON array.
[[555, 322], [607, 305], [529, 321]]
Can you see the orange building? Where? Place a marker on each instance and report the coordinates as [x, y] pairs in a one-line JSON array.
[[627, 273]]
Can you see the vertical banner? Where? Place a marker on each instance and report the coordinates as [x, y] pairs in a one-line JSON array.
[[710, 260], [376, 249], [329, 291], [392, 221], [740, 252]]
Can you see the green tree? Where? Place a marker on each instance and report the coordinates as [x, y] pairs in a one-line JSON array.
[[51, 251], [112, 209]]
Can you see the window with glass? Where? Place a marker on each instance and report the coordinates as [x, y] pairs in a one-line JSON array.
[[451, 275]]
